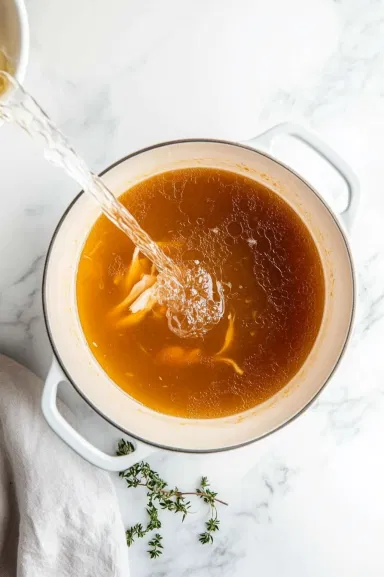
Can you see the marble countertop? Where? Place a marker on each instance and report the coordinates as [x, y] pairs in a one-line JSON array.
[[118, 76]]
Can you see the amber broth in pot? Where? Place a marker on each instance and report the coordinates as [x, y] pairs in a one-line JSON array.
[[246, 236]]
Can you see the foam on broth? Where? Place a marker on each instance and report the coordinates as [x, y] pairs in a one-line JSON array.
[[246, 237]]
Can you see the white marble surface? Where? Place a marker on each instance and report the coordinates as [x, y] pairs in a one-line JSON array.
[[312, 501]]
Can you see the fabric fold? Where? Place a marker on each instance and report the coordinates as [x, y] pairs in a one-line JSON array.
[[59, 515]]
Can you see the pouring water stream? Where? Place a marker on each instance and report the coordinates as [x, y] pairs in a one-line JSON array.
[[194, 303]]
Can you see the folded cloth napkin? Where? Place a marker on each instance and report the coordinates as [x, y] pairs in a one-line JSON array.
[[59, 515]]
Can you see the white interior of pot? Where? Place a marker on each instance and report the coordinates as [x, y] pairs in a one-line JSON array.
[[116, 405]]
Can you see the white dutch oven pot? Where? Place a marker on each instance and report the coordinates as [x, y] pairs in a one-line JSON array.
[[75, 363]]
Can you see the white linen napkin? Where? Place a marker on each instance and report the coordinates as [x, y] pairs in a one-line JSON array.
[[59, 516]]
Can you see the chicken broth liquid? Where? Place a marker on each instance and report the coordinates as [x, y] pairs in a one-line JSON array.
[[246, 237]]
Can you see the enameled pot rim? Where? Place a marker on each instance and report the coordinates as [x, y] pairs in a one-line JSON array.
[[293, 417]]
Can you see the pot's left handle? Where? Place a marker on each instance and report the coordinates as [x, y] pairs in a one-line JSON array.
[[73, 439], [348, 215]]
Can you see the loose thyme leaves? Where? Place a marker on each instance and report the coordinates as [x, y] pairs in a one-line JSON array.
[[155, 546], [124, 448], [211, 526], [160, 497]]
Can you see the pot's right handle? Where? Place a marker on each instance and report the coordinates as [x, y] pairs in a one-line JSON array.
[[72, 438], [266, 139]]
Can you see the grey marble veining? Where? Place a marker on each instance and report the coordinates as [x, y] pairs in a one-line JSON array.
[[310, 501]]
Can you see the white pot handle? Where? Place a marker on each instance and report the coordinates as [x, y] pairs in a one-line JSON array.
[[68, 434], [266, 139]]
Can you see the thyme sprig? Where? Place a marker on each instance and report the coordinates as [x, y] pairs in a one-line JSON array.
[[160, 497]]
